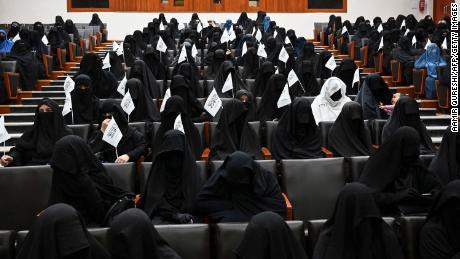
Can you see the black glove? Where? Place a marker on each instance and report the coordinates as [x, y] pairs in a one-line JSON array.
[[183, 218]]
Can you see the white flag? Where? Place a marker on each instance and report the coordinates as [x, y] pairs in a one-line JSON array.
[[45, 40], [69, 85], [284, 56], [287, 40], [275, 34], [258, 35], [178, 124], [182, 56], [261, 51], [228, 85], [106, 62], [4, 135], [120, 50], [427, 43], [180, 26], [165, 99], [381, 44], [245, 49], [115, 46], [162, 27], [161, 45], [112, 133], [232, 36], [213, 103], [407, 31], [194, 51], [225, 37], [380, 28], [127, 103], [344, 30], [444, 43], [285, 98], [16, 38], [403, 24], [292, 78], [122, 86], [67, 105], [330, 64], [355, 78], [414, 40], [277, 71], [199, 27]]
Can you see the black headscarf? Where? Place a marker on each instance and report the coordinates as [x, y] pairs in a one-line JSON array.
[[322, 71], [268, 236], [447, 160], [356, 229], [240, 189], [180, 88], [250, 102], [70, 28], [297, 136], [27, 65], [346, 72], [130, 51], [14, 30], [35, 146], [263, 75], [80, 180], [268, 109], [406, 113], [373, 92], [116, 65], [233, 133], [85, 104], [404, 53], [174, 180], [190, 73], [145, 109], [218, 57], [104, 83], [157, 62], [95, 20], [238, 84], [143, 73], [273, 49], [132, 235], [58, 21], [306, 73], [349, 136], [250, 64], [60, 232], [440, 237]]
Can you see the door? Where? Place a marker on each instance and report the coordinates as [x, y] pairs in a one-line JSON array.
[[441, 8]]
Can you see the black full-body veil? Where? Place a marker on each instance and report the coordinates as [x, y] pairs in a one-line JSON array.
[[446, 162]]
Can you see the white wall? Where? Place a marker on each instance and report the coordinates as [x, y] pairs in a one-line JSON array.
[[120, 24]]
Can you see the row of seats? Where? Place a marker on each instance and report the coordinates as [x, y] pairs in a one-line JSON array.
[[312, 186]]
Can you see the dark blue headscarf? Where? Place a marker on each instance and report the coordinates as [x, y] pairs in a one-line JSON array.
[[228, 25], [266, 23], [6, 45]]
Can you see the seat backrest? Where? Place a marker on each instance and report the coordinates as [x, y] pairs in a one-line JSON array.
[[270, 127], [81, 130], [312, 186], [324, 127], [410, 234], [145, 167], [189, 241], [426, 159], [6, 244], [355, 166], [8, 66], [139, 126], [25, 192], [376, 131], [250, 84], [227, 237], [123, 175]]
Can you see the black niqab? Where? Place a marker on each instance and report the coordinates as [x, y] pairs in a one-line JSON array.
[[263, 75], [143, 73], [104, 83], [85, 104], [447, 160], [268, 109], [226, 68], [145, 109]]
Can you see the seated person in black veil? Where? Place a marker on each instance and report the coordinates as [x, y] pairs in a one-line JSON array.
[[268, 236], [250, 64], [297, 136], [30, 69], [248, 100], [190, 73], [373, 94], [143, 73], [173, 107], [346, 72], [36, 145], [360, 34], [80, 180], [306, 73], [226, 68], [440, 236], [233, 133], [132, 235], [322, 71], [446, 163], [59, 232], [263, 75], [70, 28], [406, 57], [373, 46], [85, 104], [157, 62], [306, 52], [129, 50], [173, 183], [401, 180], [104, 83], [214, 61], [193, 107], [268, 109], [238, 190], [406, 113], [116, 65], [145, 109], [349, 136], [131, 146], [356, 230]]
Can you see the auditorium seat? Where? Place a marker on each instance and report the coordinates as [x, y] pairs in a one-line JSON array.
[[227, 237], [123, 175], [200, 126], [11, 79], [355, 167], [250, 84], [7, 244], [270, 128], [81, 130], [409, 233], [376, 129], [443, 91], [26, 191], [426, 159], [419, 76], [324, 127], [396, 71], [312, 186]]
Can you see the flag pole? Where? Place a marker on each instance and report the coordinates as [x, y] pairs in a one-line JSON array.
[[4, 147], [72, 115], [116, 151]]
